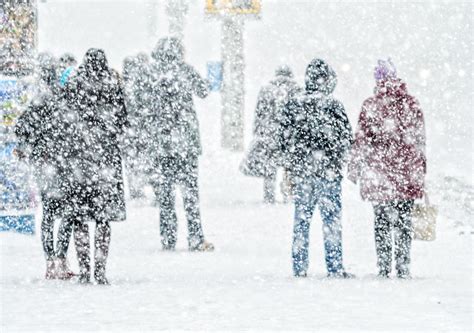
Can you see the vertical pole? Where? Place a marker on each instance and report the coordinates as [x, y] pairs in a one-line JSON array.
[[177, 10], [152, 20], [233, 93]]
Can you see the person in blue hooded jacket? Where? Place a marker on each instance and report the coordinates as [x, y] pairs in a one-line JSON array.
[[315, 138]]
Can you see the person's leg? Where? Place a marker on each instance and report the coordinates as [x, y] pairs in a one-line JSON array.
[[330, 209], [285, 187], [189, 180], [269, 188], [193, 214], [62, 245], [81, 240], [403, 237], [101, 245], [168, 219], [47, 236], [304, 208], [383, 238]]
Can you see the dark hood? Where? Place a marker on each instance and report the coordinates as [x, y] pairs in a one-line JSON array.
[[47, 69], [320, 77], [168, 50], [95, 62]]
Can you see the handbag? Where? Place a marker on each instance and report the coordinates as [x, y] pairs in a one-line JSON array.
[[424, 220]]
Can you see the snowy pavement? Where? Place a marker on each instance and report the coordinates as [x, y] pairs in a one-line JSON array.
[[246, 283]]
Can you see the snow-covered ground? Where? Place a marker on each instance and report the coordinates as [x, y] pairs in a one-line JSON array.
[[247, 282]]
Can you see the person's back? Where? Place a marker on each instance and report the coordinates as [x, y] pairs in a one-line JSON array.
[[264, 155], [175, 144], [172, 85], [315, 137], [316, 134], [272, 102]]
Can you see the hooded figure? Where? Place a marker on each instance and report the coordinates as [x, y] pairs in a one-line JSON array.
[[264, 155], [388, 160], [96, 98], [315, 136], [174, 144], [67, 62], [42, 132]]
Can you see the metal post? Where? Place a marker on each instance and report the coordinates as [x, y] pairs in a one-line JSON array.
[[177, 10], [152, 20], [233, 92]]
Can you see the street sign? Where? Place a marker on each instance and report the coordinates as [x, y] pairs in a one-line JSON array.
[[233, 7]]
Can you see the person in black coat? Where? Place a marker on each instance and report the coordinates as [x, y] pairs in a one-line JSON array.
[[315, 137], [175, 145], [40, 132], [95, 96]]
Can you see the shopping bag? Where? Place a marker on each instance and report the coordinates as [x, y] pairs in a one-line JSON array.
[[424, 220]]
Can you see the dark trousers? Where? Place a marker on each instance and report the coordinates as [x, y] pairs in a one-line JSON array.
[[52, 210], [101, 247], [178, 171], [393, 218], [269, 183]]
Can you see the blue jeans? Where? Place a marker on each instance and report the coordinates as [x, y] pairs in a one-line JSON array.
[[310, 192]]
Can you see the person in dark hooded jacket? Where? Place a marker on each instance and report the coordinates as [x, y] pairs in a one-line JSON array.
[[175, 143], [315, 137], [95, 96], [41, 134]]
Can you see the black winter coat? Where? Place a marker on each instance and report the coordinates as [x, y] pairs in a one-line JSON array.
[[96, 97], [44, 134], [316, 135]]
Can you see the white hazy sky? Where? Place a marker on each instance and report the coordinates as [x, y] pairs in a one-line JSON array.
[[430, 42]]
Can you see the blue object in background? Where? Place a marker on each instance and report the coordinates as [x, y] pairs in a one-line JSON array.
[[65, 76], [23, 224], [215, 75], [9, 89]]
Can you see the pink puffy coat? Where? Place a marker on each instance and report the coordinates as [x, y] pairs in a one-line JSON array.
[[388, 155]]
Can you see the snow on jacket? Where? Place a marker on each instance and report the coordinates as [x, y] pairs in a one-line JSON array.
[[264, 154], [96, 97], [316, 134], [388, 156], [42, 132], [173, 121]]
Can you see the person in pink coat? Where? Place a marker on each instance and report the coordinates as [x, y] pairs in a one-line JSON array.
[[388, 160]]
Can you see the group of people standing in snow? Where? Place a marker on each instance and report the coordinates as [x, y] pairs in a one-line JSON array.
[[306, 132], [87, 122], [76, 132]]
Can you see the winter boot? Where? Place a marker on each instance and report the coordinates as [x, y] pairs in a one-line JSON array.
[[63, 270], [203, 246], [341, 275], [50, 270]]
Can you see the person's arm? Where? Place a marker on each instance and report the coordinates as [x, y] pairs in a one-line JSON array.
[[260, 111], [200, 86], [356, 155], [27, 131], [419, 131]]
